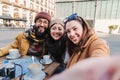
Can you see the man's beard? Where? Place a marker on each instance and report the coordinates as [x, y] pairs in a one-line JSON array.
[[40, 35]]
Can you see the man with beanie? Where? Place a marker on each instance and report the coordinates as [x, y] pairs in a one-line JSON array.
[[32, 41]]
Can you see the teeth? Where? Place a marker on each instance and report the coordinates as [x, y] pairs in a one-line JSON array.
[[57, 35]]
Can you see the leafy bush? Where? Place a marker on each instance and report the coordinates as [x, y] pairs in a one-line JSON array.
[[112, 28]]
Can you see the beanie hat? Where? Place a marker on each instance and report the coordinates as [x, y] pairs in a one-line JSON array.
[[55, 21], [44, 15]]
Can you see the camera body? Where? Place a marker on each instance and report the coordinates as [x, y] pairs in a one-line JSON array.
[[8, 70], [7, 73]]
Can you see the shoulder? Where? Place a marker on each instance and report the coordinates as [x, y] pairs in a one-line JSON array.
[[99, 44], [99, 47], [99, 41], [21, 35]]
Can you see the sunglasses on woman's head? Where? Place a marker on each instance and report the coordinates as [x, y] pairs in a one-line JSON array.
[[72, 17]]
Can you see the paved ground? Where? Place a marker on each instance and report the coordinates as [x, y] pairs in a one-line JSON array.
[[7, 36]]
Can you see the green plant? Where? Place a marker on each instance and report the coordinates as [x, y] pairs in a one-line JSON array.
[[112, 28]]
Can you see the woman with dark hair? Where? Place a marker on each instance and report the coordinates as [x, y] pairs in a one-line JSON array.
[[56, 42], [82, 40]]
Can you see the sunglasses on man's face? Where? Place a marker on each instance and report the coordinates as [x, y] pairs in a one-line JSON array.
[[72, 17]]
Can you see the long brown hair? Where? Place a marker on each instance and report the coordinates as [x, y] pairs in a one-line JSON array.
[[87, 32]]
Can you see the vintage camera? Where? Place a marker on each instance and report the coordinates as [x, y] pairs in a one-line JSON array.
[[7, 73], [3, 75], [8, 70]]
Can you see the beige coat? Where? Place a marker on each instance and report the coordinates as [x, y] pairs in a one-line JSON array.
[[20, 42], [93, 48]]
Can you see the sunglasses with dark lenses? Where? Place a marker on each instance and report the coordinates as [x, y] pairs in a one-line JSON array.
[[71, 17]]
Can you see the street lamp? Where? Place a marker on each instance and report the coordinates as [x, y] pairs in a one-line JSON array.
[[95, 13], [73, 7]]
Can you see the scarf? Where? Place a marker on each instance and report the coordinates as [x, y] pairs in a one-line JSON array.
[[31, 36]]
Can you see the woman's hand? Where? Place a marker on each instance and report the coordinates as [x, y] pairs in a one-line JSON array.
[[101, 68]]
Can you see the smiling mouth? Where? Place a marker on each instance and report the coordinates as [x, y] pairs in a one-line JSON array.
[[57, 36], [73, 40], [41, 29]]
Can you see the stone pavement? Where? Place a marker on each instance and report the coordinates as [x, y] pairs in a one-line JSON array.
[[103, 34]]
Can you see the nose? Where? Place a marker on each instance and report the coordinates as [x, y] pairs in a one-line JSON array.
[[42, 24], [56, 30], [71, 34]]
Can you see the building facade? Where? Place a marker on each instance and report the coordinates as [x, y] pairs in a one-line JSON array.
[[102, 12], [106, 9], [21, 13]]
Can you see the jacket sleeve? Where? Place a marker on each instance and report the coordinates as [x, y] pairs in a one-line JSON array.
[[14, 44], [99, 48]]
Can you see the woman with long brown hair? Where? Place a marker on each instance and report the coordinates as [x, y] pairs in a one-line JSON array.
[[82, 40]]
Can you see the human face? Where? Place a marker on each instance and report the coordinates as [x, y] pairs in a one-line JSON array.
[[42, 24], [74, 31], [56, 31]]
